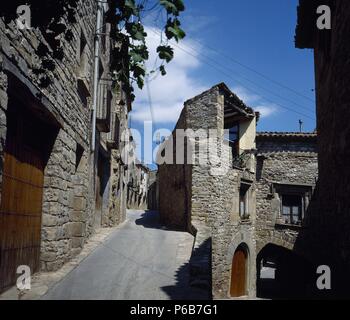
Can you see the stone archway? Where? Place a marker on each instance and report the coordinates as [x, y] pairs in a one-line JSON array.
[[282, 273]]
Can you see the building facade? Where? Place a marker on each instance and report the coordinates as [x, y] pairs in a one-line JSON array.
[[61, 173], [326, 241], [137, 189], [153, 191], [217, 206], [236, 206], [286, 177]]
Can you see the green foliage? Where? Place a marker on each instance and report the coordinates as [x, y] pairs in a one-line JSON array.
[[126, 14], [173, 30], [46, 16], [125, 17], [162, 70], [165, 53]]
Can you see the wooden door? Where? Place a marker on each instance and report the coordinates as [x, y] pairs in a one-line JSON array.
[[239, 273], [21, 200]]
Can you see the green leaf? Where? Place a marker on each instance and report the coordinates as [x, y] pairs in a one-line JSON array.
[[140, 52], [179, 5], [138, 70], [162, 70], [170, 7], [165, 53], [131, 5], [140, 82], [136, 31], [173, 30], [136, 57]]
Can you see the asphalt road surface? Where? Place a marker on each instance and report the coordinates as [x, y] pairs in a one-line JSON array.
[[140, 260]]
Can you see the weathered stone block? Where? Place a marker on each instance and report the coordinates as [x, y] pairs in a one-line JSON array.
[[79, 203], [76, 229]]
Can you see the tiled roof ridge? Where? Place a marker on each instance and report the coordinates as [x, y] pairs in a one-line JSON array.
[[285, 134]]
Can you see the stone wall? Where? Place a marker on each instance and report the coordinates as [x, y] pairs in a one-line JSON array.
[[68, 197], [173, 181], [289, 159], [68, 213], [327, 239], [137, 179], [205, 200], [153, 191]]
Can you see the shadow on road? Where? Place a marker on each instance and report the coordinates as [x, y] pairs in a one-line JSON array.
[[150, 219], [193, 279]]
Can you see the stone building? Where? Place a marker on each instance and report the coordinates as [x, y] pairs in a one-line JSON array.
[[60, 175], [236, 207], [138, 180], [286, 176], [153, 191], [327, 241], [217, 206]]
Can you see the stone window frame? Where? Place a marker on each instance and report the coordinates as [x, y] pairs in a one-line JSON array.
[[280, 189], [247, 185]]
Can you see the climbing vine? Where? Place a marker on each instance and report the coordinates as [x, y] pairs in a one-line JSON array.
[[125, 17]]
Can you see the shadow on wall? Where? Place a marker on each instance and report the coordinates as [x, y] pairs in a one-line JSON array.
[[193, 279], [324, 240], [283, 274]]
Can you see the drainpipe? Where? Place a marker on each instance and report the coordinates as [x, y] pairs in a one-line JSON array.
[[96, 71]]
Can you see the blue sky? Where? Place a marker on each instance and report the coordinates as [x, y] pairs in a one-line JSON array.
[[252, 33]]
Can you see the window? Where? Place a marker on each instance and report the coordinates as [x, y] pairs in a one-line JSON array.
[[292, 209], [291, 202], [243, 201], [233, 138]]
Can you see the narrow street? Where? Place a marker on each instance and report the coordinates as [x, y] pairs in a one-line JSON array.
[[140, 260]]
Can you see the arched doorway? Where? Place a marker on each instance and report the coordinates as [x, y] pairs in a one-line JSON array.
[[239, 272], [282, 274]]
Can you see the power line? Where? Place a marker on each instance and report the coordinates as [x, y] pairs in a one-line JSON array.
[[255, 71], [251, 69], [232, 77], [246, 79]]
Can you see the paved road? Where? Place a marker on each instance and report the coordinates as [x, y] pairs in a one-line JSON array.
[[140, 260]]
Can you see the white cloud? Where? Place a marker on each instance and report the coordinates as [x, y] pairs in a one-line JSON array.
[[267, 110], [169, 92], [201, 22], [256, 102]]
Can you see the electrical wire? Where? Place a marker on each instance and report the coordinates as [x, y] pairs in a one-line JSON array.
[[205, 59]]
